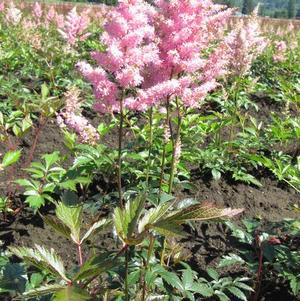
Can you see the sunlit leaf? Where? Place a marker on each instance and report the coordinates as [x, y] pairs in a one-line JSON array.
[[10, 158], [41, 291], [125, 220], [57, 225], [96, 265], [94, 228], [71, 217], [42, 259], [71, 293]]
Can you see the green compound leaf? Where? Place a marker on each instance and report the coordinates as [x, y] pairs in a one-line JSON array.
[[42, 259]]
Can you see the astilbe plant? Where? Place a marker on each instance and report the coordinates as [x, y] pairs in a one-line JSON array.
[[37, 10], [280, 48], [129, 37], [75, 27], [245, 44], [13, 14], [72, 118], [156, 55]]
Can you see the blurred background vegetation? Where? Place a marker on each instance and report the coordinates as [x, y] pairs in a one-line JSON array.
[[271, 8]]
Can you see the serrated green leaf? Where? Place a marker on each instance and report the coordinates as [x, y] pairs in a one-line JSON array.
[[230, 259], [243, 286], [10, 158], [212, 273], [172, 279], [187, 279], [168, 229], [134, 277], [50, 159], [96, 265], [153, 215], [71, 217], [203, 289], [295, 285], [25, 183], [237, 293], [57, 225], [35, 201], [101, 224], [222, 296], [41, 291], [125, 220], [166, 197], [42, 259], [36, 279]]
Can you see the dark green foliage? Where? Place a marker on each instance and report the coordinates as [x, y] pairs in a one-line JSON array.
[[292, 9], [248, 6], [271, 8]]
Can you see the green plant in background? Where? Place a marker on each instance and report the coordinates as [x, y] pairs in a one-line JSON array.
[[43, 180], [9, 160], [271, 249]]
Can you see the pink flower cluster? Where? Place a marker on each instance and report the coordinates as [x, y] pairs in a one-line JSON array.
[[155, 54], [45, 18], [129, 36], [280, 48], [185, 31], [74, 28], [245, 43], [71, 117], [37, 10]]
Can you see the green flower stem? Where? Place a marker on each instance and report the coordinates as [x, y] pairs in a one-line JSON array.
[[163, 160], [126, 275], [175, 144], [119, 167], [150, 142], [149, 253]]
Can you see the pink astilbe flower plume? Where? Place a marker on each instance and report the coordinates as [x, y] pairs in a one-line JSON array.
[[157, 53], [37, 10], [72, 118], [245, 44], [280, 48], [2, 6], [129, 37], [51, 14], [75, 27], [185, 30]]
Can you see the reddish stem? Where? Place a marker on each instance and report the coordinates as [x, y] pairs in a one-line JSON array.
[[259, 270], [37, 133], [79, 251]]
